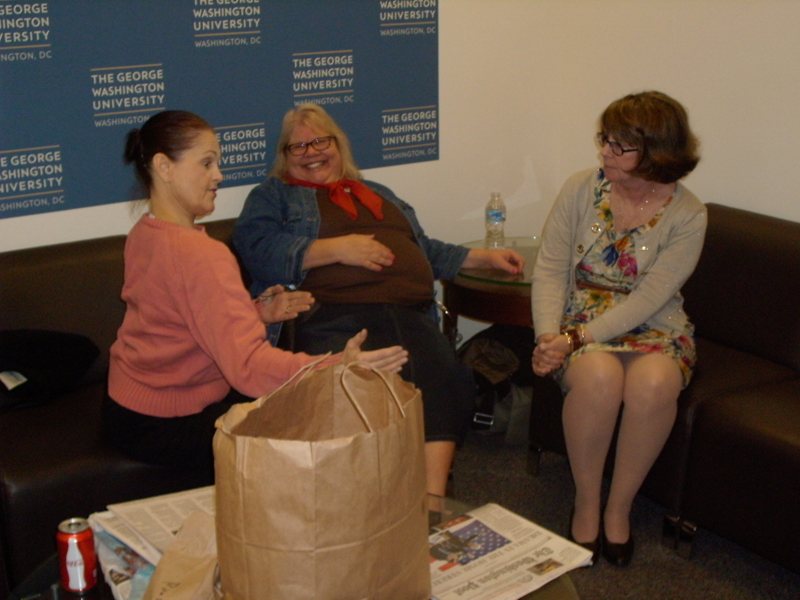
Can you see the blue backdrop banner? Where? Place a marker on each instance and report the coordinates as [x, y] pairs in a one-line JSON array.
[[77, 75]]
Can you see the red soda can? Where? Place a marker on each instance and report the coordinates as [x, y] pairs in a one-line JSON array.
[[76, 555]]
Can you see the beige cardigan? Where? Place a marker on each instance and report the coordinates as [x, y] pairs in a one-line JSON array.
[[666, 256]]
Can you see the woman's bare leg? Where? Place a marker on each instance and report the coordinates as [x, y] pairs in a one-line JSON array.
[[652, 385], [595, 385], [438, 460]]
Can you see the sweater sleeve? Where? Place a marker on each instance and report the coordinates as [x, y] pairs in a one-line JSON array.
[[661, 283], [551, 274], [225, 322]]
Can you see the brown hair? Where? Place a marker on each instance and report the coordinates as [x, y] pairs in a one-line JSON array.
[[312, 115], [170, 132], [659, 127]]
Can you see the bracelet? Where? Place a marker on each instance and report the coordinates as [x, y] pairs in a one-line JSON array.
[[582, 330], [575, 338], [570, 342]]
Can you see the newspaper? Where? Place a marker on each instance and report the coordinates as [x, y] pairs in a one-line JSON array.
[[154, 522], [132, 536], [492, 553], [486, 553], [114, 526], [126, 571]]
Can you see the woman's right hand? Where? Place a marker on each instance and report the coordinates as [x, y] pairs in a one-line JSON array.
[[355, 249], [361, 250], [276, 304], [549, 354], [386, 359]]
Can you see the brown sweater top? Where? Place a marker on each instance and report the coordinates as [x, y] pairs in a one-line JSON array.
[[409, 281]]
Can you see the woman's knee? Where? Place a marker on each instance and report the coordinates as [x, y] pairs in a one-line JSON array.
[[601, 373], [652, 382]]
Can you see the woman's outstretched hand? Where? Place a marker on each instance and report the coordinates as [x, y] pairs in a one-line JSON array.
[[505, 259], [386, 359]]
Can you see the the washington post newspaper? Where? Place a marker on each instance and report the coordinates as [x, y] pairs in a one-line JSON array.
[[492, 553], [487, 553]]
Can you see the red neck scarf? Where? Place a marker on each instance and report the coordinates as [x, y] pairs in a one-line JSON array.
[[338, 192]]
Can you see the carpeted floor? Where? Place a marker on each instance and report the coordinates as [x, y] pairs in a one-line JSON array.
[[488, 470]]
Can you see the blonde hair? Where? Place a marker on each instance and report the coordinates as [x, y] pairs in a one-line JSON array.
[[312, 115]]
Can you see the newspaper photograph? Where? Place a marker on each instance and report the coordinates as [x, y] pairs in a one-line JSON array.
[[127, 573], [492, 553], [111, 524], [157, 520]]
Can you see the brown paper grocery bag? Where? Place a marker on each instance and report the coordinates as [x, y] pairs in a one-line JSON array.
[[188, 568], [320, 490]]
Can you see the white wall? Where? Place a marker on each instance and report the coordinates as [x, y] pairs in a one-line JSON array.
[[522, 83]]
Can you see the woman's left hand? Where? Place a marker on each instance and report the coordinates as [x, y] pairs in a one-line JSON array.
[[390, 359], [549, 354], [276, 304], [505, 259]]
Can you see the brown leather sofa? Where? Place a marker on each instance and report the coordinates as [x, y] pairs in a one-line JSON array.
[[732, 462], [54, 463]]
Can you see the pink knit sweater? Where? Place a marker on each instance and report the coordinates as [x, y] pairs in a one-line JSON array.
[[191, 330]]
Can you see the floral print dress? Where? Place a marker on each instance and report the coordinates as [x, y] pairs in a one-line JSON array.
[[604, 279]]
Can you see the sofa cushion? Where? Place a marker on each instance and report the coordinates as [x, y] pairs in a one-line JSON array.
[[720, 370], [55, 464], [744, 292], [742, 481], [73, 287], [51, 362]]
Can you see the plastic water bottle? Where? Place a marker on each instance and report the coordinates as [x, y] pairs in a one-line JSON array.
[[495, 220]]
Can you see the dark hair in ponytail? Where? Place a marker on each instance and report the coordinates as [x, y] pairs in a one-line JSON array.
[[170, 132]]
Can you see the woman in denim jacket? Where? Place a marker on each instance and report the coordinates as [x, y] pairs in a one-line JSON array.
[[315, 224]]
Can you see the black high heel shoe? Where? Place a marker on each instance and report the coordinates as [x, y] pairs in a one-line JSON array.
[[593, 547], [619, 555]]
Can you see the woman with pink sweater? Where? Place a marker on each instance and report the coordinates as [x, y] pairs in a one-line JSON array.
[[192, 341]]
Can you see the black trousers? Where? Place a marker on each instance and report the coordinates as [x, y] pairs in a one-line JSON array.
[[180, 442], [448, 387]]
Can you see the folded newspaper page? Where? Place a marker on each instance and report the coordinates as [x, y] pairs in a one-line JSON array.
[[132, 536], [127, 573], [113, 525], [492, 553], [157, 520]]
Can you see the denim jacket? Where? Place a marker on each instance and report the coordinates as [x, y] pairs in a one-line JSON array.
[[280, 221]]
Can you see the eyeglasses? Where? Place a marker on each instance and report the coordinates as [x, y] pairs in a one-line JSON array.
[[320, 143], [616, 147]]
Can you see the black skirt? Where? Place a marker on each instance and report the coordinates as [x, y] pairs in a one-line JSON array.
[[447, 386], [178, 442]]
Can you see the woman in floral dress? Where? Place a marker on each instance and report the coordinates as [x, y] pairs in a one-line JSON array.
[[618, 245]]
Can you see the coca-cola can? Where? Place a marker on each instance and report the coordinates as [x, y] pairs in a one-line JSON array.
[[77, 558]]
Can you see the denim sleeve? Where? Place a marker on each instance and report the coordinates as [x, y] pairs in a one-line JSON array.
[[446, 259], [273, 234]]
